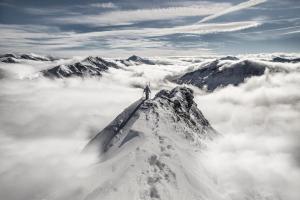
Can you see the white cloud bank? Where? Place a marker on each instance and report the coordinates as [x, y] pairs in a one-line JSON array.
[[44, 125]]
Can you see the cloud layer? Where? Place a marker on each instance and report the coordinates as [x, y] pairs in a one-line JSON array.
[[46, 123]]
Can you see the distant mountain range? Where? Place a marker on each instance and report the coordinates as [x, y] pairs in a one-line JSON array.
[[14, 58], [209, 75], [90, 66]]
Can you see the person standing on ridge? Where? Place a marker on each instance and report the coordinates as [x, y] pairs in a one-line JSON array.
[[147, 91]]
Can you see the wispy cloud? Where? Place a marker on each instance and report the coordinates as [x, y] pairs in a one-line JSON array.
[[292, 32], [241, 6], [166, 25], [53, 39], [120, 17], [132, 37], [104, 5]]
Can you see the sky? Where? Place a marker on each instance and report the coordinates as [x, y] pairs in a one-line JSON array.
[[120, 28]]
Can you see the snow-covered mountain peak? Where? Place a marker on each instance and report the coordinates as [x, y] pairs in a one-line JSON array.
[[174, 107], [150, 147]]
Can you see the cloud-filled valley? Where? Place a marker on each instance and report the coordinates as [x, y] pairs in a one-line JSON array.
[[45, 123], [149, 100]]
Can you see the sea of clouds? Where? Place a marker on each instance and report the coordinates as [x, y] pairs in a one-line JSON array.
[[44, 125]]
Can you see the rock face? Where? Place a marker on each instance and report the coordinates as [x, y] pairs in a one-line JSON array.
[[216, 74], [9, 60], [91, 66], [149, 147]]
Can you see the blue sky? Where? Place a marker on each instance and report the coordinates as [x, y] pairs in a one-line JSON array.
[[149, 27]]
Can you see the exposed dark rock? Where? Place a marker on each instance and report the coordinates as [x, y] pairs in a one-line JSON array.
[[154, 193], [8, 55], [8, 60], [181, 99], [36, 58]]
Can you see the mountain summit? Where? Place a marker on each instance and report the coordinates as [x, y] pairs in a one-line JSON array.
[[149, 148]]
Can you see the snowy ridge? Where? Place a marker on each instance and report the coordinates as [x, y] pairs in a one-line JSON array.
[[136, 60], [151, 155], [220, 73], [90, 66], [15, 58]]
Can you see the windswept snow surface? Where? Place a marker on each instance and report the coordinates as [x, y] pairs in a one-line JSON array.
[[163, 151]]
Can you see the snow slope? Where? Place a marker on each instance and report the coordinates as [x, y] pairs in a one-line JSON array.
[[151, 157]]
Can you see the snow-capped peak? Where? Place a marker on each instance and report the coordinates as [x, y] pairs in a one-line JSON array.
[[148, 146]]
